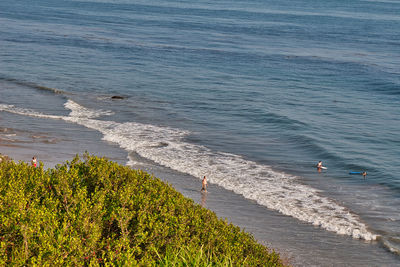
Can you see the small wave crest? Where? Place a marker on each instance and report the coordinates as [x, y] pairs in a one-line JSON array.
[[78, 111], [166, 146], [27, 112], [34, 85], [392, 244]]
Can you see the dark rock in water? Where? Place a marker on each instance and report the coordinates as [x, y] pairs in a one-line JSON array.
[[117, 97]]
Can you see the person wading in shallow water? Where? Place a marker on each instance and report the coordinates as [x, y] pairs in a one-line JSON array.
[[204, 184]]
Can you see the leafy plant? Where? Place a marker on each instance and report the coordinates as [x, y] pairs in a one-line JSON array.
[[97, 212]]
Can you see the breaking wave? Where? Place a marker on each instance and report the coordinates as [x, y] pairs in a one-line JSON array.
[[167, 146]]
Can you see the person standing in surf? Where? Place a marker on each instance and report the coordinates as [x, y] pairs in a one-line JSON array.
[[204, 184]]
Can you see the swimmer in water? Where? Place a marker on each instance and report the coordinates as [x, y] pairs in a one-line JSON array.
[[319, 166]]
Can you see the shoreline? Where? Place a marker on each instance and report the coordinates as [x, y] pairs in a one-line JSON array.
[[299, 243]]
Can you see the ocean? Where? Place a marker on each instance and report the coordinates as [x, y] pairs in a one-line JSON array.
[[251, 94]]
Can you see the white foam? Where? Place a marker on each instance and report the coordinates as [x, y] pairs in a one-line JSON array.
[[27, 112], [275, 190], [78, 111]]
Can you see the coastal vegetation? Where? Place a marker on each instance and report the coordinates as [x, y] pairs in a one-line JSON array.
[[95, 212]]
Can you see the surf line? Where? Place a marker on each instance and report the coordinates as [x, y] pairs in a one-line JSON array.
[[274, 190]]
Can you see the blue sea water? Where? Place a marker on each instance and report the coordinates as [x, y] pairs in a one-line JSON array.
[[250, 93]]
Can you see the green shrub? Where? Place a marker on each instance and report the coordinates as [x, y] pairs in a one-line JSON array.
[[96, 212]]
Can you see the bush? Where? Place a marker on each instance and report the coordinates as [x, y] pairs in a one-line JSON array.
[[97, 212]]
